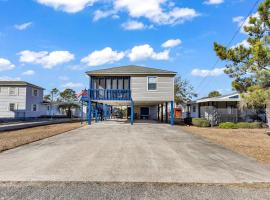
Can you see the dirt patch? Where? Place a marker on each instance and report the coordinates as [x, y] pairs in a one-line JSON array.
[[251, 142], [11, 139]]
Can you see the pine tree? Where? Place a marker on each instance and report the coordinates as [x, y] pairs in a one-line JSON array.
[[249, 65]]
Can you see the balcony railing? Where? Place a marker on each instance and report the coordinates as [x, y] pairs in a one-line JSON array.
[[117, 95]]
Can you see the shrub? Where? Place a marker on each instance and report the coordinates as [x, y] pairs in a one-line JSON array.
[[228, 125], [200, 122], [249, 125], [231, 125]]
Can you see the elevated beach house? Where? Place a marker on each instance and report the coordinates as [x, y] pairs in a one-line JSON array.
[[148, 93]]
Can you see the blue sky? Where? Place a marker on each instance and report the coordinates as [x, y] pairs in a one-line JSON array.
[[52, 43]]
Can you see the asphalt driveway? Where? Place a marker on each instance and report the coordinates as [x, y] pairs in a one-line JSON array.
[[115, 152]]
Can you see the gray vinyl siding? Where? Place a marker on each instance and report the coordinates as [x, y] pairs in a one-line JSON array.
[[164, 92], [31, 100], [19, 99], [23, 100]]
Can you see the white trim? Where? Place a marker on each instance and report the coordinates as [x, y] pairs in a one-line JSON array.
[[148, 83], [32, 107], [33, 92]]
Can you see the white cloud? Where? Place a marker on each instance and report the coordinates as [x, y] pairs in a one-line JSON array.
[[7, 78], [206, 72], [63, 78], [23, 26], [6, 65], [133, 25], [171, 43], [244, 43], [72, 85], [70, 6], [143, 52], [104, 56], [214, 2], [47, 59], [28, 73], [152, 10], [157, 11], [99, 14]]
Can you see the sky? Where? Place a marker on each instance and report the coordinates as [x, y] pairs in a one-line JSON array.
[[52, 43]]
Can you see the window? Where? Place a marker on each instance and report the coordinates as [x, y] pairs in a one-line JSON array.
[[35, 92], [12, 107], [12, 91], [194, 108], [152, 83], [34, 107]]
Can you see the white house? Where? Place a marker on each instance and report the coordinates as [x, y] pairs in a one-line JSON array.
[[223, 109], [19, 99]]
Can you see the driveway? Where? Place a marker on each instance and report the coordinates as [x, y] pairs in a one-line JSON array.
[[116, 152]]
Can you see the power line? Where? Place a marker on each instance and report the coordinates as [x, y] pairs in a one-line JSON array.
[[232, 39]]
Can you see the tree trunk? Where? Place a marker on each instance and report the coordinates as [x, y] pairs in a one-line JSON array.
[[268, 115], [69, 113]]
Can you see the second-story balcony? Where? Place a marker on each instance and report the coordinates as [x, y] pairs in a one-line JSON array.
[[110, 88], [106, 94]]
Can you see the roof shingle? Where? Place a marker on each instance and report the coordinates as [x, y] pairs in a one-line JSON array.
[[130, 69], [18, 83]]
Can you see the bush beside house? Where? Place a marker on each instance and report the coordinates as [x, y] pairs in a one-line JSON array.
[[200, 122], [227, 125], [248, 125]]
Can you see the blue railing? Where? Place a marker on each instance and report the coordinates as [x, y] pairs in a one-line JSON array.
[[101, 94]]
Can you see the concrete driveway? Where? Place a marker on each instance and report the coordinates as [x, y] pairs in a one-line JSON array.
[[116, 152]]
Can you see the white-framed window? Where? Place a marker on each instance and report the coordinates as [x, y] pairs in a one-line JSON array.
[[12, 91], [12, 107], [152, 83], [34, 108], [35, 92]]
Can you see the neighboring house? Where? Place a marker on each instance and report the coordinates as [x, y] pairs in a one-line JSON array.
[[224, 109], [147, 92], [19, 99], [52, 109]]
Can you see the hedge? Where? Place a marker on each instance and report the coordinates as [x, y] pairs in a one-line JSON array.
[[200, 122], [228, 125], [248, 125]]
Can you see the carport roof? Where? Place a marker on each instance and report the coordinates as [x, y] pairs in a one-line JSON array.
[[131, 70]]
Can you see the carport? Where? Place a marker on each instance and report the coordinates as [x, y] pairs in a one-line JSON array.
[[101, 110]]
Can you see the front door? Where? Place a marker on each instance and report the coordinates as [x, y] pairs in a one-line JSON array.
[[144, 113]]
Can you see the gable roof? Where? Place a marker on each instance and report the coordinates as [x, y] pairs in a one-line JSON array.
[[19, 83], [229, 97], [130, 70]]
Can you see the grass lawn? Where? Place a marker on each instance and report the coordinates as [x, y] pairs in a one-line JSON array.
[[11, 139], [250, 142]]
